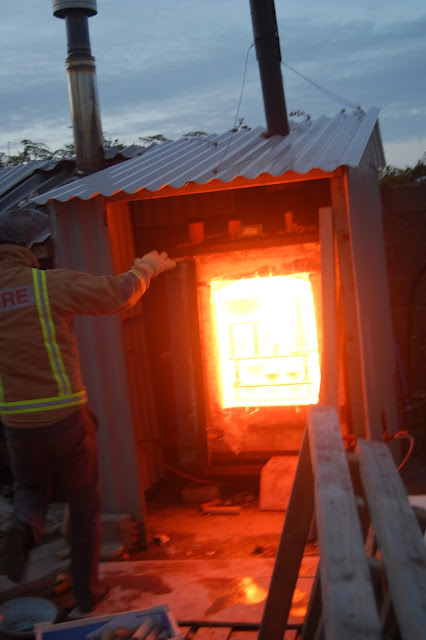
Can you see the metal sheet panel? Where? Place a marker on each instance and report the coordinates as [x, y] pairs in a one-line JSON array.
[[11, 176], [103, 363], [326, 144]]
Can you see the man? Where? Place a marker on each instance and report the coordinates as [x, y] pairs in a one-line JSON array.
[[49, 429]]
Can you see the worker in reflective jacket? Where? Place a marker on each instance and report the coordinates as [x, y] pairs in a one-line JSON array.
[[49, 430]]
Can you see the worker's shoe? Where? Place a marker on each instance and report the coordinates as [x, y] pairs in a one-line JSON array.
[[14, 561]]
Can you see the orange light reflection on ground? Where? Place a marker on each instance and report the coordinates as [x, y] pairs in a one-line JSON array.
[[253, 592], [228, 592], [267, 341]]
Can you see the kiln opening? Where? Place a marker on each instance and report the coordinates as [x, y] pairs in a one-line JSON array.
[[267, 347]]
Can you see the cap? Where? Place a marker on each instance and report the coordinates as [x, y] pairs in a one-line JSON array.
[[24, 226]]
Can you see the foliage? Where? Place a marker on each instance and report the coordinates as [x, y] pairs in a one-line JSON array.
[[194, 134], [39, 151], [241, 124], [298, 113], [108, 143], [390, 175], [158, 138]]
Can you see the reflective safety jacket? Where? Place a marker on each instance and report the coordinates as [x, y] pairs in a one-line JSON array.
[[40, 379]]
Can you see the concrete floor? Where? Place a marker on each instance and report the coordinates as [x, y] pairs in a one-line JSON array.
[[215, 568]]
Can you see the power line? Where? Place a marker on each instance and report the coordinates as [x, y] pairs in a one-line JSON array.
[[328, 93], [234, 128]]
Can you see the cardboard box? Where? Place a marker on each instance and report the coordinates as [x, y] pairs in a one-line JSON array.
[[80, 629]]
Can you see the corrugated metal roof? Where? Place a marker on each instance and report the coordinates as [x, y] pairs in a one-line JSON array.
[[128, 152], [325, 144], [24, 182], [19, 185], [11, 176]]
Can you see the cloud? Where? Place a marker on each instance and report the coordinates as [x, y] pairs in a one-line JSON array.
[[173, 67]]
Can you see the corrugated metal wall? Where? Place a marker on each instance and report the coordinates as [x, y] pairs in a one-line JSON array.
[[146, 432], [82, 243]]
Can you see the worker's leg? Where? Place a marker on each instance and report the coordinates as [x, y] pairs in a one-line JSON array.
[[29, 460], [77, 468]]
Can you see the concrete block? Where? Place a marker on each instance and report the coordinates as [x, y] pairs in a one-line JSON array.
[[120, 528], [197, 494], [276, 482]]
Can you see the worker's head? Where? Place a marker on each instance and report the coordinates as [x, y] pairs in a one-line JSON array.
[[24, 227]]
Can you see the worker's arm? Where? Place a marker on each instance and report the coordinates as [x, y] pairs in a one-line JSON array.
[[87, 294]]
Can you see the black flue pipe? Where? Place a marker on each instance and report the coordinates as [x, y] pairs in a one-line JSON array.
[[268, 52]]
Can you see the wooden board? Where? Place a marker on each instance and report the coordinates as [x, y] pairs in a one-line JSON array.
[[376, 340], [347, 298], [290, 549], [313, 618], [349, 608], [213, 633], [399, 537], [329, 368]]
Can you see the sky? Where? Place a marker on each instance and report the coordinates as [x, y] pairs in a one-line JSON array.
[[175, 66]]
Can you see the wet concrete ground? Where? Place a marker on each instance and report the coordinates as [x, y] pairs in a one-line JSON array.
[[204, 567]]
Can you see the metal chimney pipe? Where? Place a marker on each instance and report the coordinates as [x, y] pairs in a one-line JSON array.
[[268, 54], [82, 87]]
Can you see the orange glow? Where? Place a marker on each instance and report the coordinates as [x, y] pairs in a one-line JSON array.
[[267, 341], [253, 592]]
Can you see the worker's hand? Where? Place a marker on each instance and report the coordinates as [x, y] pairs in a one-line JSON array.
[[155, 263]]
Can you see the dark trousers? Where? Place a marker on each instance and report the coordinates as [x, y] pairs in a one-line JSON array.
[[68, 452]]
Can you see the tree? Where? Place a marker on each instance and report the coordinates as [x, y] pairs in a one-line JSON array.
[[40, 151], [31, 151], [194, 134], [391, 175], [241, 124], [158, 138]]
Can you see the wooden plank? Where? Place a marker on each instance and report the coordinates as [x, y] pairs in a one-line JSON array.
[[217, 185], [213, 633], [399, 537], [347, 296], [372, 300], [349, 608], [290, 634], [329, 368], [290, 549], [313, 618]]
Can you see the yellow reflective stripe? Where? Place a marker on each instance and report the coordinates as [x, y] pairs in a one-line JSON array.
[[43, 404], [139, 275], [49, 334]]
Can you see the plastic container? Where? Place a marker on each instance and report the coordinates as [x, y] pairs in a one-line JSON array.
[[90, 628], [18, 617]]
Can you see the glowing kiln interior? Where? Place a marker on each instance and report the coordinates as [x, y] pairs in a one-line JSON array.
[[267, 341], [260, 333]]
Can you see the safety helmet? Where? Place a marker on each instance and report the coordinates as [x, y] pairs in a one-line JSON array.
[[24, 227]]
